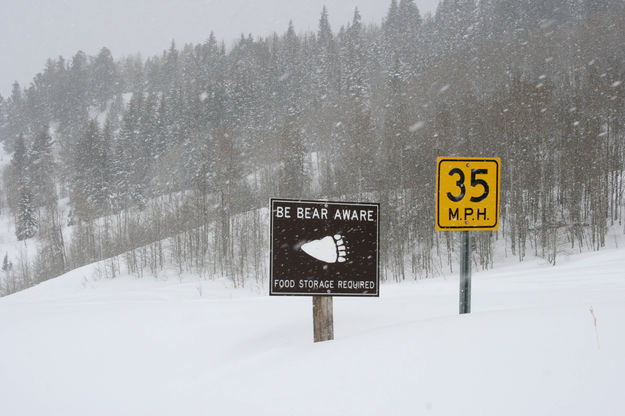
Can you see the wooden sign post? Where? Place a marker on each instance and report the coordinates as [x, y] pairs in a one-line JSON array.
[[467, 198], [324, 249], [323, 321]]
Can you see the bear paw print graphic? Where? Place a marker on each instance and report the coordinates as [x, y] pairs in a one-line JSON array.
[[329, 249]]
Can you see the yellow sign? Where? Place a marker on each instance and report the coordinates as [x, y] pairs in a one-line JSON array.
[[467, 193]]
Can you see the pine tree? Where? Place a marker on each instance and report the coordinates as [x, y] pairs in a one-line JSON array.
[[410, 19], [326, 66], [76, 96], [3, 111], [91, 183], [26, 221], [290, 70], [324, 33], [455, 20], [16, 175], [83, 182], [129, 174], [396, 132], [6, 264], [356, 76], [105, 82], [16, 116], [42, 170], [104, 167], [401, 31], [292, 151]]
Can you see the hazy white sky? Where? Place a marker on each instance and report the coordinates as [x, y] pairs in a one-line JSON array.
[[32, 31]]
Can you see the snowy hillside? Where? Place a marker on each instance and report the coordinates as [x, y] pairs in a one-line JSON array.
[[541, 340]]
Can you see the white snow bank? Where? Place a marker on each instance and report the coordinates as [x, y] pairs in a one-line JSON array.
[[80, 345]]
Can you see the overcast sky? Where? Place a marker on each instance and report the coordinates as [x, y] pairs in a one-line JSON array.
[[32, 31]]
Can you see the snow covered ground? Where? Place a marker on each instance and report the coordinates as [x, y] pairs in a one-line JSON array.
[[84, 345]]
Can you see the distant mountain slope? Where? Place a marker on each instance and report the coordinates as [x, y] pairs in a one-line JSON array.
[[189, 145]]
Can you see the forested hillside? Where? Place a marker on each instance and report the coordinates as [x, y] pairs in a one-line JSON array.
[[172, 159]]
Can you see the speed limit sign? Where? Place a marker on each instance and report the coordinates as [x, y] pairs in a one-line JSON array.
[[467, 193]]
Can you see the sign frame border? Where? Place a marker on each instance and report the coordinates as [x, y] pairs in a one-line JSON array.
[[312, 201], [442, 159]]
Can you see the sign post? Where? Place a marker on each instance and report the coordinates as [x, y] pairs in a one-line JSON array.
[[467, 198], [323, 319], [324, 249], [465, 273]]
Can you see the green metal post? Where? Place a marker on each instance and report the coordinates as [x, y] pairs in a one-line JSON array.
[[465, 273]]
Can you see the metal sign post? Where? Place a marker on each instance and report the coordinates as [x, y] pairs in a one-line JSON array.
[[465, 273]]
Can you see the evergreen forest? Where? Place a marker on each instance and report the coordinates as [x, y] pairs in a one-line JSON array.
[[170, 161]]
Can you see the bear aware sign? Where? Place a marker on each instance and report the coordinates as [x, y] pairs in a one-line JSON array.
[[324, 248]]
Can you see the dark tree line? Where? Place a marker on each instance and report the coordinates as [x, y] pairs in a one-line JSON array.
[[187, 147]]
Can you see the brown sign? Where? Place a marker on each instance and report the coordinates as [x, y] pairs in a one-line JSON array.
[[324, 248]]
